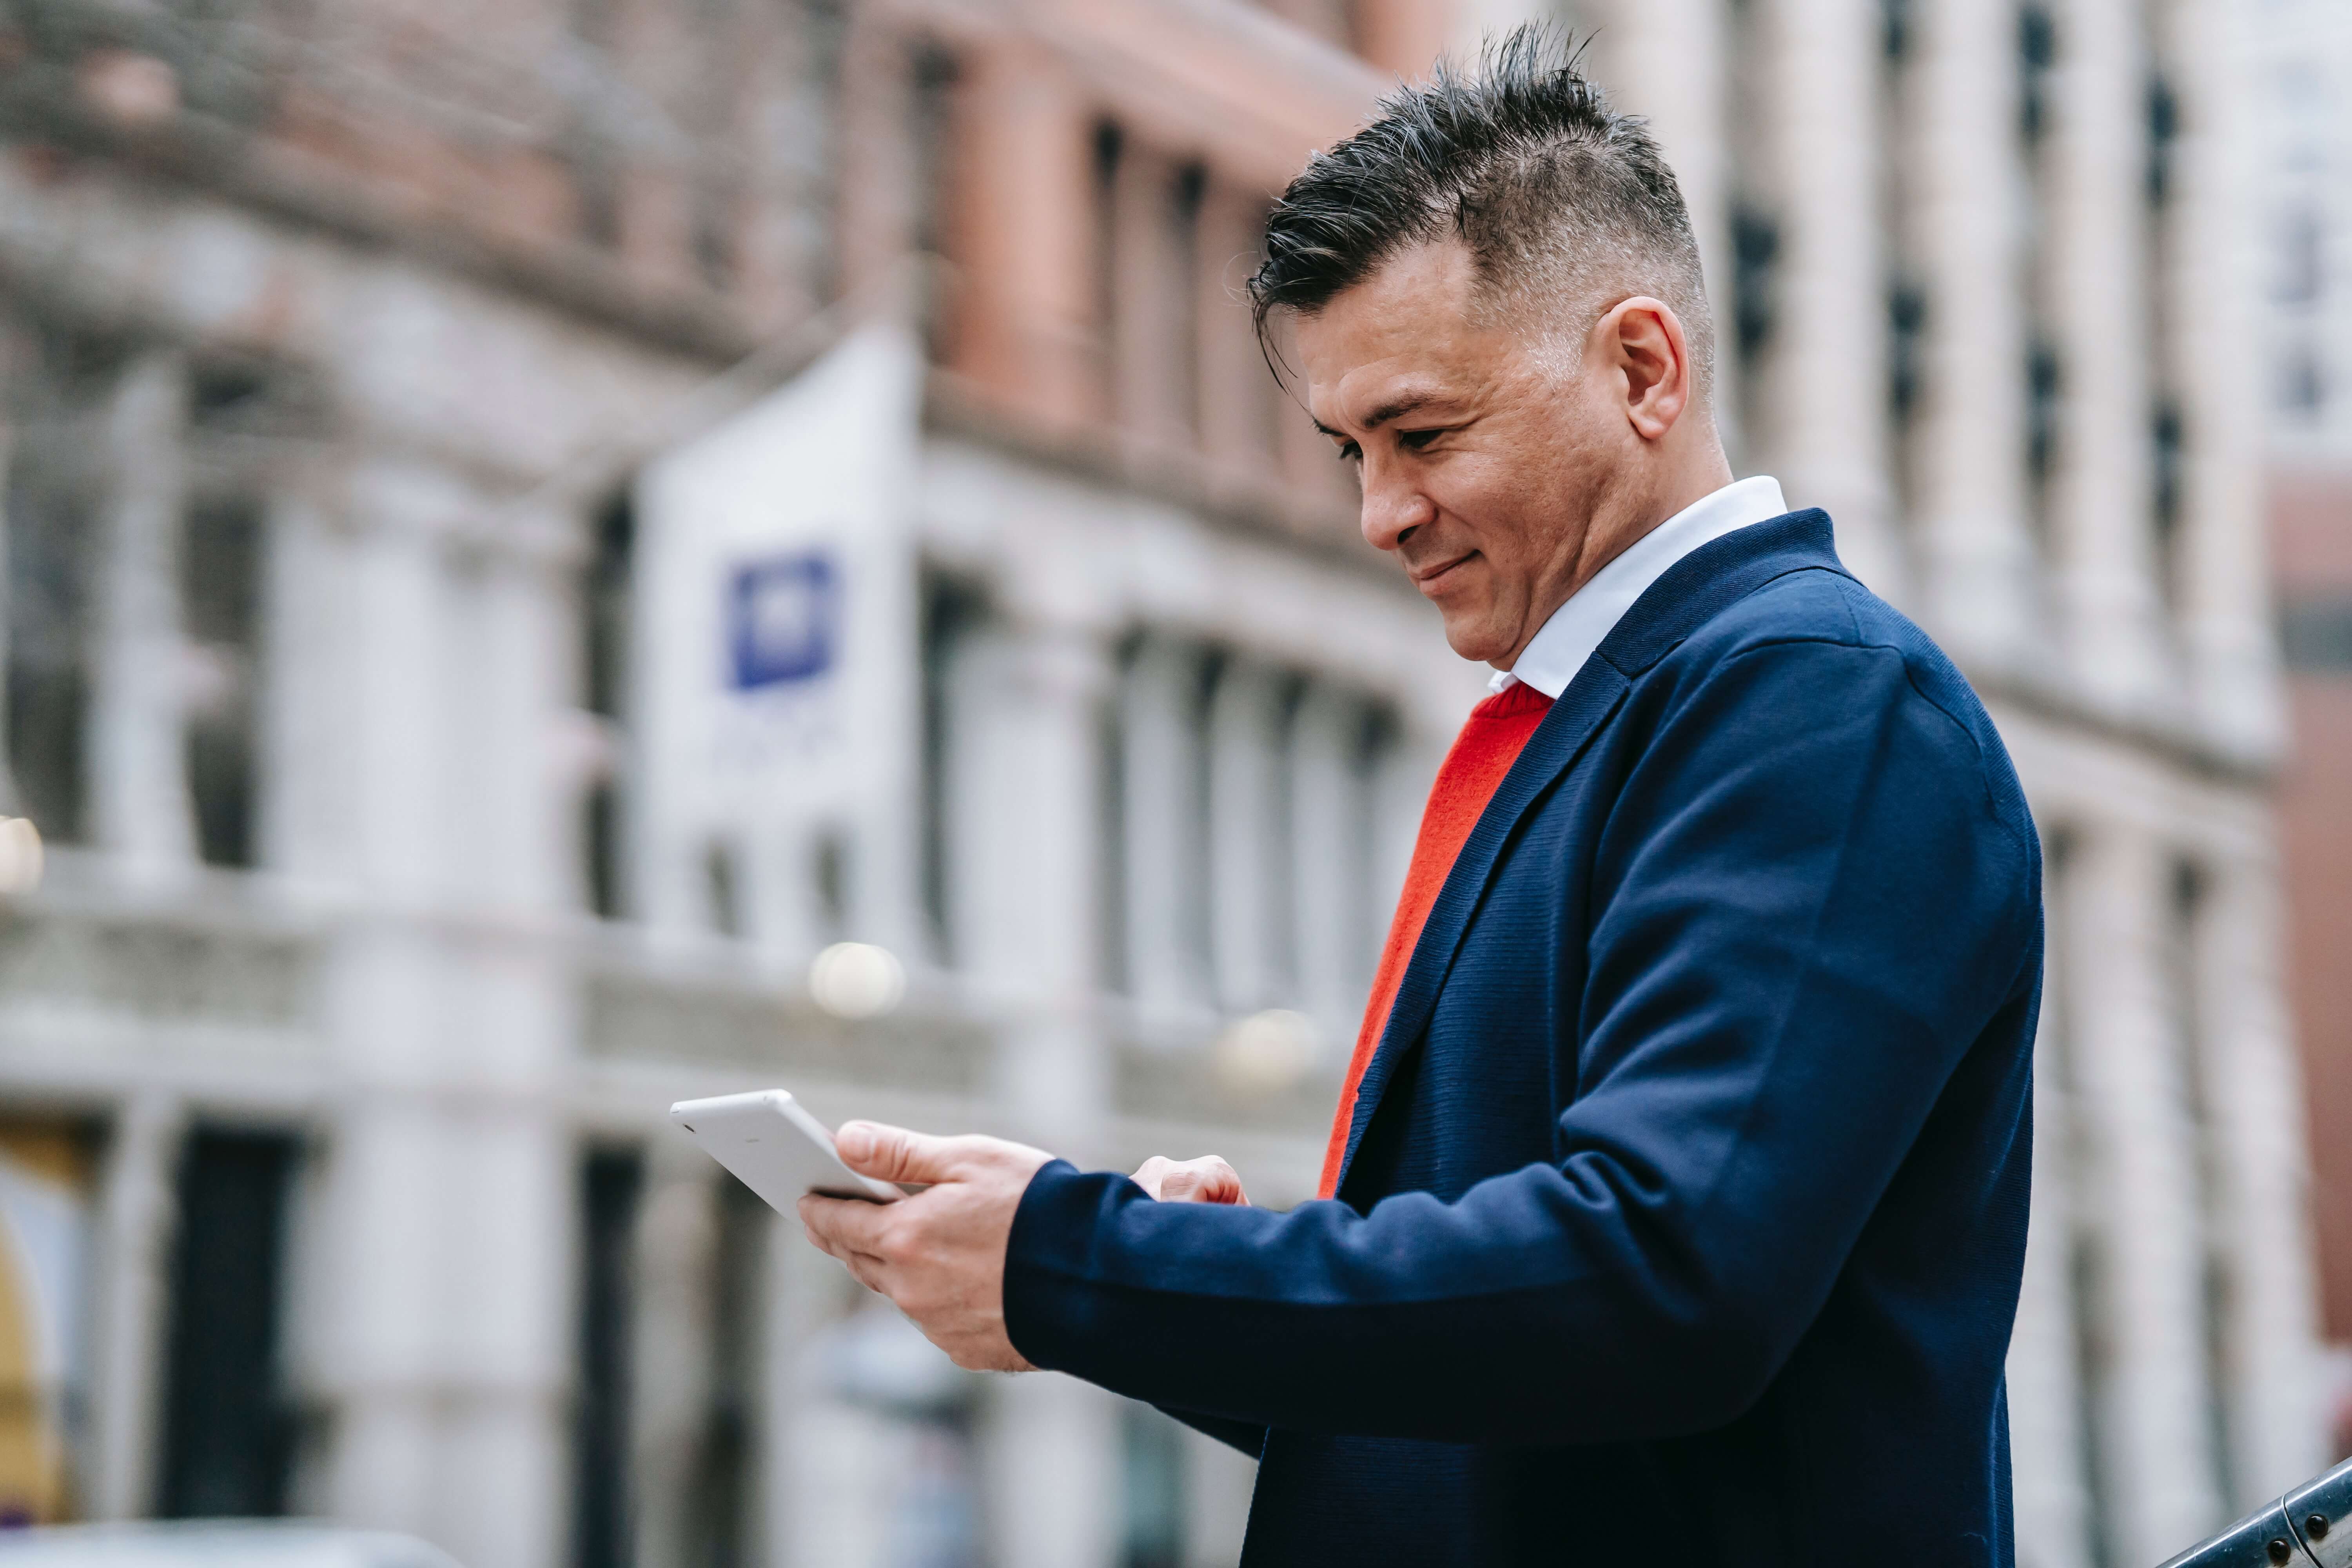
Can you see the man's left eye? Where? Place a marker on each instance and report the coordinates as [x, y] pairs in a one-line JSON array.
[[1414, 440]]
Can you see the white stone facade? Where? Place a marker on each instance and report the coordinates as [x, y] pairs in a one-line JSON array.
[[1174, 742], [409, 980], [1980, 299], [2301, 250]]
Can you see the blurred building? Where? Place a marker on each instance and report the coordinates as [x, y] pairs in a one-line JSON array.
[[458, 719], [2304, 223], [525, 526], [1982, 274]]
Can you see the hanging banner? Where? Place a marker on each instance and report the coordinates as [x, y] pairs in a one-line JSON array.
[[776, 619]]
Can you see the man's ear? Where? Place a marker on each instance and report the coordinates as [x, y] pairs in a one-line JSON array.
[[1643, 338]]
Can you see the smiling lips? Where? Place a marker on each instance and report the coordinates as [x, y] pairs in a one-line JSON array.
[[1426, 578]]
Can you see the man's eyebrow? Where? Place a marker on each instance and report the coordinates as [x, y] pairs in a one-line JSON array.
[[1395, 409]]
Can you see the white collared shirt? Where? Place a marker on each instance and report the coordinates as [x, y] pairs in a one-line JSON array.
[[1551, 660]]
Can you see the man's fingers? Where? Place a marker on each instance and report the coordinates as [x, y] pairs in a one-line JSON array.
[[1152, 1172], [843, 1227], [1207, 1180], [893, 1154]]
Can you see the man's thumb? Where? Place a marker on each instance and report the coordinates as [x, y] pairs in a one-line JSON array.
[[893, 1153]]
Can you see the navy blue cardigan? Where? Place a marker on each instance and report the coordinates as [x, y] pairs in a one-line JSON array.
[[1686, 1197]]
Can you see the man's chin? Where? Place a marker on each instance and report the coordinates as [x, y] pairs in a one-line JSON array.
[[1475, 639]]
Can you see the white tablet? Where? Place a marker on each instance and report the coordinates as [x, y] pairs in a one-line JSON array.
[[775, 1147]]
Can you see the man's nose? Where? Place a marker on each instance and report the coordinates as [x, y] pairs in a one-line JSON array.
[[1393, 506]]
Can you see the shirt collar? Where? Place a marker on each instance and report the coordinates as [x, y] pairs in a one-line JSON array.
[[1559, 649]]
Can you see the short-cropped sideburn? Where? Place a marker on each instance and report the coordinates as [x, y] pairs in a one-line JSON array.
[[1563, 203]]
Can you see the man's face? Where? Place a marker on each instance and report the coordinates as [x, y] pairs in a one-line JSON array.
[[1483, 457]]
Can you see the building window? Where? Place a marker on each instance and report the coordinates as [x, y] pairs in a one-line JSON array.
[[724, 1496], [1906, 332], [1895, 26], [954, 613], [1109, 151], [2168, 446], [807, 141], [2044, 412], [1756, 256], [2302, 271], [228, 1427], [1906, 290], [2037, 63], [2168, 425], [2163, 138], [2303, 385], [220, 566], [50, 551], [1186, 196], [591, 148], [726, 889], [605, 592], [932, 74], [610, 1182]]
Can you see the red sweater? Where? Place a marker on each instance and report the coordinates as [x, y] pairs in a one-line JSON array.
[[1482, 753]]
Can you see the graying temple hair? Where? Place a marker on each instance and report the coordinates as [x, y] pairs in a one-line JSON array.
[[1562, 202]]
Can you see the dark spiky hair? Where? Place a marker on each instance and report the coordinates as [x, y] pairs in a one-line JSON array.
[[1561, 201]]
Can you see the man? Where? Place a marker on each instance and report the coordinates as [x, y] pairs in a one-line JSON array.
[[1677, 1193]]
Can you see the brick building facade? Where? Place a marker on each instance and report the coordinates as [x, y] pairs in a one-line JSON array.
[[342, 347]]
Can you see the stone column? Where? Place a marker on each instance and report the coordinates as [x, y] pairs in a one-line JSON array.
[[800, 1286], [2140, 1182], [1162, 826], [1976, 554], [2223, 585], [442, 1344], [2102, 504], [512, 1018], [1329, 848], [138, 769], [1026, 759], [137, 1212], [1664, 60], [670, 1348], [1827, 440], [303, 829], [1248, 853], [1052, 1468], [381, 1352], [2051, 1500], [2274, 1404]]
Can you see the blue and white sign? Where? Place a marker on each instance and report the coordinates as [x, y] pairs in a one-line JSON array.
[[778, 698], [783, 619]]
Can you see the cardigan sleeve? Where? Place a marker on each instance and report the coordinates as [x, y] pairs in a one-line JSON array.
[[1806, 907]]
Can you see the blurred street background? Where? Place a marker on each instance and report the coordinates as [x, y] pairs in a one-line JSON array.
[[566, 554]]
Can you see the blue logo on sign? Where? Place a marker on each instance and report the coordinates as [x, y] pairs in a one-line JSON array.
[[782, 620]]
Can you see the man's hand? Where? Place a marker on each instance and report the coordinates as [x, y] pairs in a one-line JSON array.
[[1207, 1180], [939, 1255]]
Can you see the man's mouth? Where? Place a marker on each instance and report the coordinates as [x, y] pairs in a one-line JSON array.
[[1427, 577]]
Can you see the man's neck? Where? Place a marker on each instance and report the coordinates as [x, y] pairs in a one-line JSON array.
[[1600, 546]]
